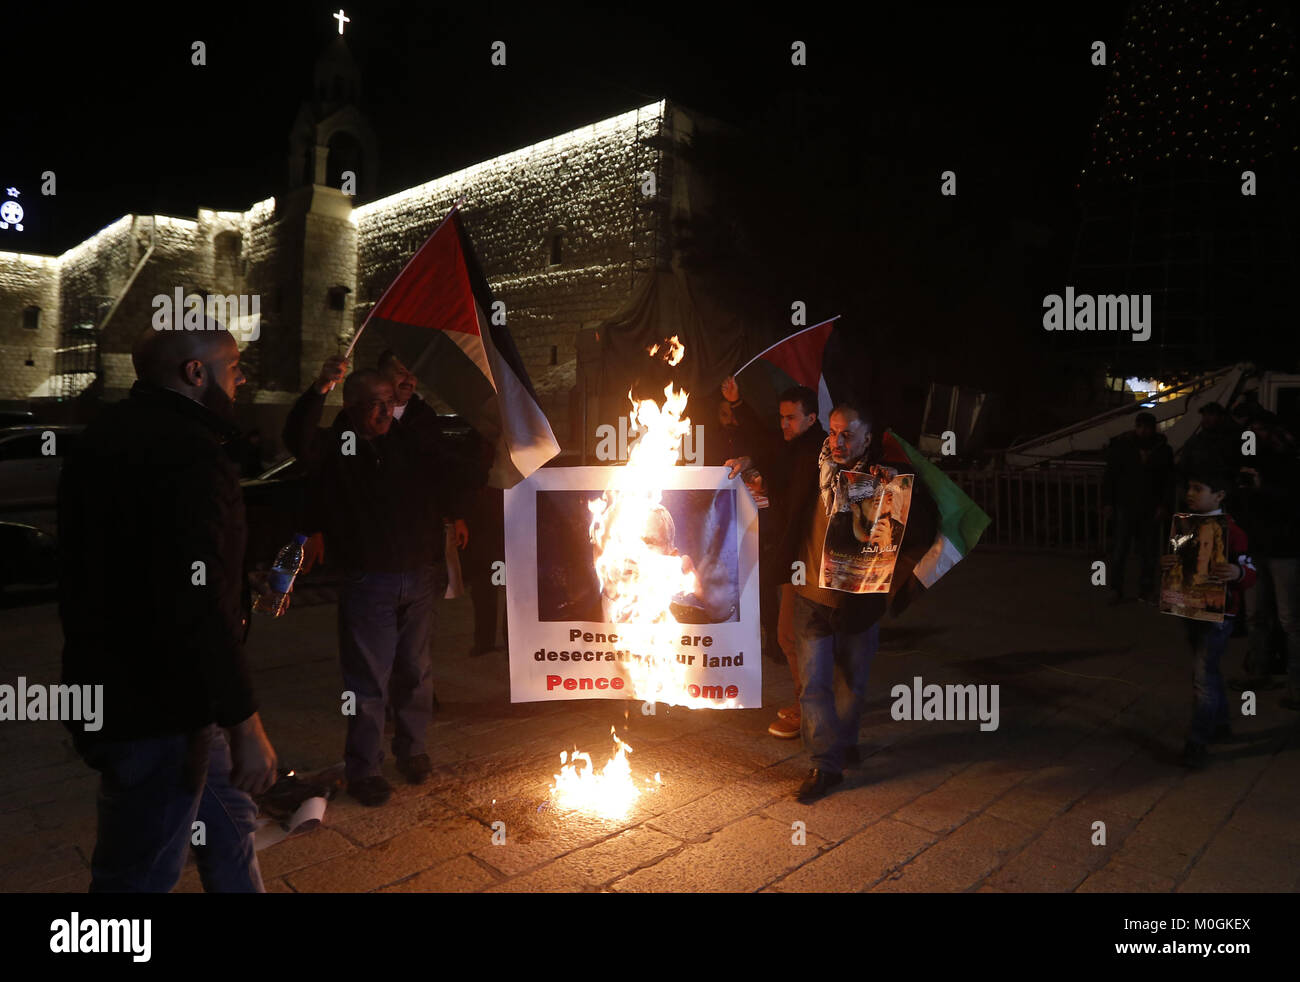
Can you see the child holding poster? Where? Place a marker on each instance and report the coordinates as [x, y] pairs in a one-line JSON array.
[[1193, 572]]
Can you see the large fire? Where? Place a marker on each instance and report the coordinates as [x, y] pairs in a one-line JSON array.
[[640, 576]]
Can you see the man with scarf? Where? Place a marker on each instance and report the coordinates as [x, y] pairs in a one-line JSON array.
[[836, 632]]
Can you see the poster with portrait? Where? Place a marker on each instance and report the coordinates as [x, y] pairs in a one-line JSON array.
[[863, 538], [574, 636], [1187, 588]]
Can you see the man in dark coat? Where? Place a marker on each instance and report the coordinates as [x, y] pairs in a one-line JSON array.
[[784, 465], [1137, 489], [151, 536], [379, 494], [836, 632]]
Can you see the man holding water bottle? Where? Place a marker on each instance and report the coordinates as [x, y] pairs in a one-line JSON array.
[[151, 540]]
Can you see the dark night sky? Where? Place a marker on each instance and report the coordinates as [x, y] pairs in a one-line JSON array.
[[109, 101], [841, 195]]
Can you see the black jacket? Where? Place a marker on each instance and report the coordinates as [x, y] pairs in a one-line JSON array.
[[149, 492], [785, 466], [381, 509], [1139, 476]]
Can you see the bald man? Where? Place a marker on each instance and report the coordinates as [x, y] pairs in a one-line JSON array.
[[151, 538]]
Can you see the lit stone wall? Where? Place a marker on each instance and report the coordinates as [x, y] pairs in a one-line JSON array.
[[584, 186], [27, 281]]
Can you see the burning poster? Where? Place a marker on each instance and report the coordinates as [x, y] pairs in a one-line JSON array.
[[863, 539], [616, 590], [1187, 588]]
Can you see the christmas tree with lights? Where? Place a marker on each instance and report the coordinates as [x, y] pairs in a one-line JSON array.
[[1197, 83], [1188, 192]]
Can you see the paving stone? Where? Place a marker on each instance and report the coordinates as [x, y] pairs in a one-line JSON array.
[[860, 861], [1237, 861], [1117, 877], [959, 861], [366, 826], [587, 869], [855, 804], [698, 819], [459, 875], [741, 858], [1038, 869], [69, 883], [34, 869], [386, 862], [299, 851]]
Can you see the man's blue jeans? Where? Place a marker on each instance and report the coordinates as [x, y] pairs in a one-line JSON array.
[[1132, 528], [151, 793], [833, 667], [1208, 642], [385, 627]]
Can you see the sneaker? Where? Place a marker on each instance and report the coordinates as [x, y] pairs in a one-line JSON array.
[[784, 729], [1194, 755], [371, 791], [415, 769]]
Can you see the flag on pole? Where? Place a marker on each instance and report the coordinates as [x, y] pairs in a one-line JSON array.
[[960, 523], [437, 316], [798, 360]]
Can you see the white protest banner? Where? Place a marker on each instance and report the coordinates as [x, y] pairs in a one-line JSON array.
[[570, 639]]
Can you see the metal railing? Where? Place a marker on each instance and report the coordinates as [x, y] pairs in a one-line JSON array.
[[1056, 509]]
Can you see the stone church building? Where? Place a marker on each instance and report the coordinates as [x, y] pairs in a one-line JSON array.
[[564, 231]]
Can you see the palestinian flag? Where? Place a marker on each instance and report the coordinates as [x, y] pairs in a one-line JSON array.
[[435, 316], [798, 360], [959, 523]]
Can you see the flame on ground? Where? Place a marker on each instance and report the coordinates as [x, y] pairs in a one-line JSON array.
[[608, 793], [640, 571]]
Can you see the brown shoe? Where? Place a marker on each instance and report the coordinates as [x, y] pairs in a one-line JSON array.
[[784, 729], [790, 712]]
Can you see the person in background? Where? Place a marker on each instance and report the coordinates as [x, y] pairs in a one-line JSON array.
[[1270, 513], [784, 465], [1136, 491], [151, 595], [1208, 640]]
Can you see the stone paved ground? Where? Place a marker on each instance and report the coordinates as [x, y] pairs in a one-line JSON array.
[[1093, 703]]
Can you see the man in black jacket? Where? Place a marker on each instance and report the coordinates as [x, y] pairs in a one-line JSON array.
[[379, 493], [1137, 489], [784, 464], [836, 632], [151, 538]]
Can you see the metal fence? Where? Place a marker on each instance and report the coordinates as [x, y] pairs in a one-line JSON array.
[[1057, 509]]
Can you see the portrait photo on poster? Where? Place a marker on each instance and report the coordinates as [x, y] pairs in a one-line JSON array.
[[864, 536], [694, 526]]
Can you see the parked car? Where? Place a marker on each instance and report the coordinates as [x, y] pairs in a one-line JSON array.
[[28, 556], [29, 477]]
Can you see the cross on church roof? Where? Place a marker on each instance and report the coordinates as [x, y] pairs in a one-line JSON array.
[[342, 19]]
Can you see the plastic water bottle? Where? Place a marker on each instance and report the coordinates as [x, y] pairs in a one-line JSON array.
[[283, 571]]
